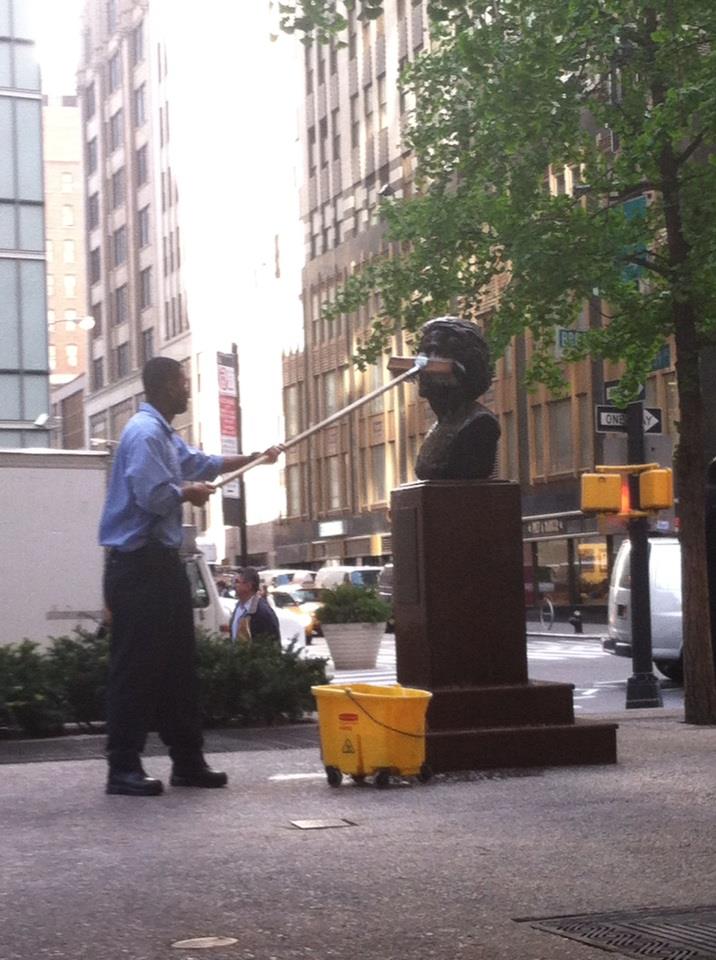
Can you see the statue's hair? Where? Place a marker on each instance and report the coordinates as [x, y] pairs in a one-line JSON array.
[[474, 353]]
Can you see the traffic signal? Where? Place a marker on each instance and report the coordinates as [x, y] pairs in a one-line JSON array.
[[601, 493], [656, 489]]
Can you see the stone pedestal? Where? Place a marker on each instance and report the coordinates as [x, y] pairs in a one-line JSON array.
[[459, 607]]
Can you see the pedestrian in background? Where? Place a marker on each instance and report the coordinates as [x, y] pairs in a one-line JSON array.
[[253, 615], [152, 670]]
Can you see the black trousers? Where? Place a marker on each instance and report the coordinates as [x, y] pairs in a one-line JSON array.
[[153, 679]]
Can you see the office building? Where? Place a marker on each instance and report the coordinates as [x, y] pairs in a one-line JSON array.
[[24, 379], [180, 257], [338, 482]]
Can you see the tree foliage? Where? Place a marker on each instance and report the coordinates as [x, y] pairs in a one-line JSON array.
[[621, 94]]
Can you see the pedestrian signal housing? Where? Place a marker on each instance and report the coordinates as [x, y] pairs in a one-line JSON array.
[[656, 489], [601, 492]]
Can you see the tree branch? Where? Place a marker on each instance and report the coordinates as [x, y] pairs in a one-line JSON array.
[[691, 149]]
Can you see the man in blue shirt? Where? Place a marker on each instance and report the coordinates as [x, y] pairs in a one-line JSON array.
[[152, 670], [253, 616]]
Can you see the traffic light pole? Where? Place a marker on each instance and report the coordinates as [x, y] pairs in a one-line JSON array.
[[643, 688]]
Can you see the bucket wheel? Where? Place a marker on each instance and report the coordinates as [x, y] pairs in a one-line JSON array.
[[381, 778], [334, 776], [425, 774]]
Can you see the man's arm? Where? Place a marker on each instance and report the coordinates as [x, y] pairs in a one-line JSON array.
[[237, 461]]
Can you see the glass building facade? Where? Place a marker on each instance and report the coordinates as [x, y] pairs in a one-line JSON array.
[[24, 375]]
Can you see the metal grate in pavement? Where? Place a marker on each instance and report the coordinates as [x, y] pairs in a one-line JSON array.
[[660, 933]]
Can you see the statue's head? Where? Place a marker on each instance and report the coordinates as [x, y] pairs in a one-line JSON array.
[[458, 340]]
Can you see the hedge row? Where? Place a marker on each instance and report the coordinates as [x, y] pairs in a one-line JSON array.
[[42, 689]]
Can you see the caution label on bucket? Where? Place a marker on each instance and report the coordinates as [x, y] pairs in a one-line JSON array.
[[348, 717], [348, 746]]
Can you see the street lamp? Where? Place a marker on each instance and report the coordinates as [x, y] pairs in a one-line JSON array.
[[84, 323]]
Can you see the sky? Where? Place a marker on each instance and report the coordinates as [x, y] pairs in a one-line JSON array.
[[58, 43]]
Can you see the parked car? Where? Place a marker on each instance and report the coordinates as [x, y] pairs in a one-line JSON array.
[[301, 601], [665, 598], [280, 577], [332, 576], [385, 592]]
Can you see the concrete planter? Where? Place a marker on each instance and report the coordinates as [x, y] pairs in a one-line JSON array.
[[353, 646]]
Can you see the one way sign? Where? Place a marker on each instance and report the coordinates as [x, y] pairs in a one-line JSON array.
[[611, 420]]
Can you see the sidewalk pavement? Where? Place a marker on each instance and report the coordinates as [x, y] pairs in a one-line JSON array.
[[417, 871]]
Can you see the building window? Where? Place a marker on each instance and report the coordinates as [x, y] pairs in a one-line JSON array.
[[119, 246], [368, 102], [323, 142], [144, 226], [142, 166], [121, 305], [145, 288], [70, 285], [537, 440], [92, 155], [70, 318], [352, 34], [111, 15], [147, 344], [90, 103], [68, 215], [98, 373], [334, 484], [97, 314], [72, 354], [50, 317], [333, 57], [335, 129], [68, 182], [116, 131], [52, 356], [115, 72], [140, 115], [382, 103], [293, 491], [560, 436], [377, 458], [355, 121], [49, 250], [93, 211], [509, 446], [311, 151], [118, 188], [95, 265], [137, 44], [121, 356]]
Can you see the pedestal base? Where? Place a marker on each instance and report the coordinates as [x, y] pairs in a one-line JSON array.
[[584, 742], [459, 607]]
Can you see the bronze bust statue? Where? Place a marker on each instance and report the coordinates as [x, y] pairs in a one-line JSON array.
[[462, 445]]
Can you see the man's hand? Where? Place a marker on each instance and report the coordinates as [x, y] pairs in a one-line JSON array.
[[197, 493], [272, 453]]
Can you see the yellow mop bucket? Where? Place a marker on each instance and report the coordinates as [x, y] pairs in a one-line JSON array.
[[370, 730]]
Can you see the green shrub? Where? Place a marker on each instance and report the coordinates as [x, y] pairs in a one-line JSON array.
[[77, 667], [255, 682], [349, 603], [41, 690], [30, 700]]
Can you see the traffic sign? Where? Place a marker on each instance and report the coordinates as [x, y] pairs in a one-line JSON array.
[[611, 420], [610, 388]]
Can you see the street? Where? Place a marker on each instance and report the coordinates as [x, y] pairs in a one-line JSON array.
[[599, 678]]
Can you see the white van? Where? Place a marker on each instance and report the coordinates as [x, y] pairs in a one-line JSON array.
[[281, 577], [332, 576], [665, 599]]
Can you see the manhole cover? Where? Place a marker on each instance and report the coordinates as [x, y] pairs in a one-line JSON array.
[[204, 943], [662, 933]]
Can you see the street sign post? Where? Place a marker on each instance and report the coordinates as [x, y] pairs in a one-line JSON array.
[[610, 419]]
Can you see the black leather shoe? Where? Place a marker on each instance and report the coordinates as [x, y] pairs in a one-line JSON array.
[[197, 777], [133, 783]]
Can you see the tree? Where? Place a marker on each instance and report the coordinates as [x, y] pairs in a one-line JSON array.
[[620, 97]]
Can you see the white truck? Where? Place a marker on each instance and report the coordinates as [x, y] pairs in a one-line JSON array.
[[51, 581]]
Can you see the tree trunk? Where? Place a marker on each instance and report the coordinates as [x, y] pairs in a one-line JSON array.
[[699, 681]]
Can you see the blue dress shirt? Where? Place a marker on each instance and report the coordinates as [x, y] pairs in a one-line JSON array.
[[144, 497]]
